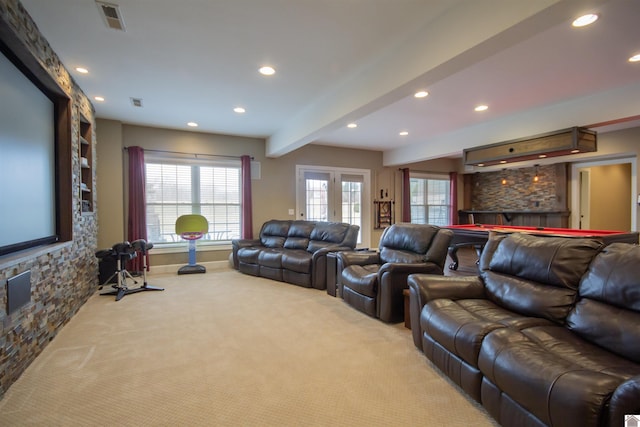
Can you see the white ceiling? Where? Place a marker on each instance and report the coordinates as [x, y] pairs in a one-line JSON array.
[[341, 61]]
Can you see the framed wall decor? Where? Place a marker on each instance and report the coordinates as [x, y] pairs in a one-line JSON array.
[[383, 213]]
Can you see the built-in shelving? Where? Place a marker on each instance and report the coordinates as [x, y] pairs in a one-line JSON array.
[[86, 166]]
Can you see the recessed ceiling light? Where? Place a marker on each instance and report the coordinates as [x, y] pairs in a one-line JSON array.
[[352, 125], [267, 71], [502, 162], [192, 124], [403, 133], [480, 164], [82, 70], [99, 98], [575, 151], [239, 110], [542, 156], [421, 94], [635, 58], [481, 108], [584, 20]]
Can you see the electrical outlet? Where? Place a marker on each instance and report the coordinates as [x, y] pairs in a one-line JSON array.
[[292, 211]]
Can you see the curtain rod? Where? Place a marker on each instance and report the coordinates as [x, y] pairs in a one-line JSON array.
[[190, 154]]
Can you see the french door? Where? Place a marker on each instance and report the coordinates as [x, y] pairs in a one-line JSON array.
[[334, 194]]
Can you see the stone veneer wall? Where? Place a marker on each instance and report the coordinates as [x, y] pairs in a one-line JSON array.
[[64, 275], [519, 193]]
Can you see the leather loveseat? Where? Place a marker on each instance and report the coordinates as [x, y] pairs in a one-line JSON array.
[[547, 334], [294, 251]]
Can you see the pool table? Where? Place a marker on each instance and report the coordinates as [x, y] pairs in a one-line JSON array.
[[476, 235]]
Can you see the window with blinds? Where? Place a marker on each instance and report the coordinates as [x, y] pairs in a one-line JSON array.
[[430, 200], [177, 187]]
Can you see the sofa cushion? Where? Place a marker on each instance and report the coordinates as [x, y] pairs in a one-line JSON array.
[[460, 326], [529, 298], [608, 311], [538, 276], [554, 374], [270, 258], [414, 238], [296, 243], [274, 233], [611, 327], [554, 261], [297, 260], [298, 235], [249, 255], [613, 277], [400, 256], [406, 243], [301, 229], [332, 232]]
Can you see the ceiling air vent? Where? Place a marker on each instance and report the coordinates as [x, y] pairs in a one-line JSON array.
[[111, 15], [137, 102]]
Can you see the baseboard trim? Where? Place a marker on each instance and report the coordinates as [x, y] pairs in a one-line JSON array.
[[173, 268]]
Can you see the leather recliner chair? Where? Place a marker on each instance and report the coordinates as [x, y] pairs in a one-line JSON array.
[[372, 282]]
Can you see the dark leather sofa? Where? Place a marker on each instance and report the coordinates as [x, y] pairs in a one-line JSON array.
[[293, 251], [547, 334]]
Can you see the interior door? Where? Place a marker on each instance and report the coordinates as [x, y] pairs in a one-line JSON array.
[[585, 199]]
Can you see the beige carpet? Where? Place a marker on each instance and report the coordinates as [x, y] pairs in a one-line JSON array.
[[226, 349]]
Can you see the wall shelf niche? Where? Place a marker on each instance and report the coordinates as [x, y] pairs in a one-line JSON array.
[[86, 165]]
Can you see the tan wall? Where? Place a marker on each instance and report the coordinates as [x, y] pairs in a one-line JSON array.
[[273, 193], [610, 203], [623, 144], [110, 177]]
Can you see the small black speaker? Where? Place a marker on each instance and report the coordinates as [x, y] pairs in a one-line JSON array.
[[18, 291]]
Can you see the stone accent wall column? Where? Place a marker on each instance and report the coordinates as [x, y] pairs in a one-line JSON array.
[[520, 192], [64, 275]]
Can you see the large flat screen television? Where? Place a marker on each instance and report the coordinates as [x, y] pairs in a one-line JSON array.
[[27, 161]]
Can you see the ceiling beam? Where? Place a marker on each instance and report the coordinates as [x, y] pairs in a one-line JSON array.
[[436, 50]]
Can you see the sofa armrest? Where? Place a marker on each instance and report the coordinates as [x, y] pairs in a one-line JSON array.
[[237, 244], [435, 287], [392, 280], [319, 265], [245, 243], [424, 288], [347, 258], [398, 268], [324, 251], [625, 400]]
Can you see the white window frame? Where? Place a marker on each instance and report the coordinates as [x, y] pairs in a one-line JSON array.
[[177, 159], [335, 177], [439, 177]]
